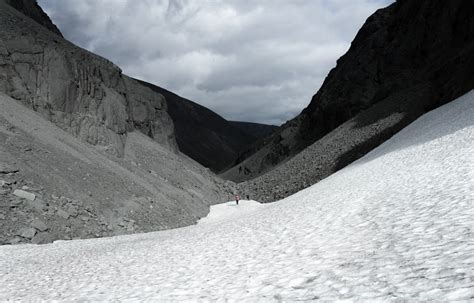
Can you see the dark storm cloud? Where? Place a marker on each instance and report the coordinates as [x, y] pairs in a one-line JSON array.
[[256, 61]]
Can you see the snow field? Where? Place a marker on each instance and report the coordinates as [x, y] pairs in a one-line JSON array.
[[231, 211]]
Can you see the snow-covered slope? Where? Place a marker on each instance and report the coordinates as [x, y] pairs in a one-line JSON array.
[[395, 224], [231, 211]]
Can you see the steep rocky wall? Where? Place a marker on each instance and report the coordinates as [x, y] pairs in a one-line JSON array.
[[77, 90]]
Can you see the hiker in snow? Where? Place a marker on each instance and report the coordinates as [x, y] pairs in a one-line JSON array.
[[237, 198]]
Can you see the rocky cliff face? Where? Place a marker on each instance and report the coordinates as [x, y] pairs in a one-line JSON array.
[[407, 59], [77, 90]]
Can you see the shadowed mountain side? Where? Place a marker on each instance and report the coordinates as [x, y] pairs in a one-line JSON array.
[[34, 11], [202, 134], [415, 55], [257, 130]]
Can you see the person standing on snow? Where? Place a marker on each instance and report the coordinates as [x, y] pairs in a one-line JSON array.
[[237, 198]]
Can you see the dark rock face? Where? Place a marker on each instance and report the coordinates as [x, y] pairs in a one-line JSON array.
[[257, 130], [31, 9], [407, 59], [202, 134]]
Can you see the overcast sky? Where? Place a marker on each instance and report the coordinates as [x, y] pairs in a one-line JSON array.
[[258, 61]]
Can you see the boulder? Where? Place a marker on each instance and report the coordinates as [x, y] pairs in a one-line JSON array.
[[44, 238], [24, 195], [39, 205], [27, 233], [39, 225], [15, 240], [63, 214]]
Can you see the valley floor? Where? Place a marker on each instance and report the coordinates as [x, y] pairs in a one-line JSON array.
[[397, 223]]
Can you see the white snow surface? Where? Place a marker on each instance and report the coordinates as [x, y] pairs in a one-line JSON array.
[[397, 224], [231, 211]]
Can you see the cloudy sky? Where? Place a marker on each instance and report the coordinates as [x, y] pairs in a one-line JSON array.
[[258, 61]]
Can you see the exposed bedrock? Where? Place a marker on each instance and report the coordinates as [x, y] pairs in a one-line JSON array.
[[77, 90]]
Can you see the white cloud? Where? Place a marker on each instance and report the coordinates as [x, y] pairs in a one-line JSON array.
[[248, 60]]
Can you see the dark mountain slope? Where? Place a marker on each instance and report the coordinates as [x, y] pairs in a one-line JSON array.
[[33, 10], [407, 59], [255, 129], [202, 134]]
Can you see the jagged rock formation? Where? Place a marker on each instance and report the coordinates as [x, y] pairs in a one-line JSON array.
[[407, 59], [93, 150], [257, 130], [202, 134]]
